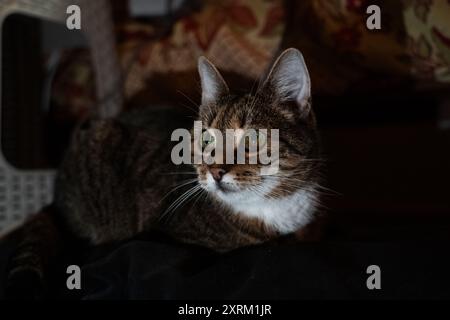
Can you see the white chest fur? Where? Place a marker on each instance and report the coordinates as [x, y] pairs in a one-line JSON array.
[[286, 214]]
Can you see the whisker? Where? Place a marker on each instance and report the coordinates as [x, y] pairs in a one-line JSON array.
[[192, 195], [291, 182], [176, 173], [202, 191], [189, 99], [187, 196], [180, 200], [178, 187], [189, 107]]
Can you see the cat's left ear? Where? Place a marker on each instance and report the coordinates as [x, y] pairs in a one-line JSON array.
[[289, 79], [213, 85]]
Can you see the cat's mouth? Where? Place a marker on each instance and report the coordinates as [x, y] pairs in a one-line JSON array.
[[224, 187]]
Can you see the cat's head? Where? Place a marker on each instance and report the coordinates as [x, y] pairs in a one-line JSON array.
[[281, 102]]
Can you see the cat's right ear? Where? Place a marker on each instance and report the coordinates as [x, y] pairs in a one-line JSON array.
[[213, 85]]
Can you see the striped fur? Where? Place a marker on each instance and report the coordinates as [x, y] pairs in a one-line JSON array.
[[117, 178], [117, 173]]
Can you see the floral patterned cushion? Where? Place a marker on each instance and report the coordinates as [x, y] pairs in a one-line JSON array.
[[239, 36], [344, 30], [428, 26], [242, 37]]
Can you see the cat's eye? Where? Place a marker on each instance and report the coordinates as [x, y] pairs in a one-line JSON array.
[[256, 141], [261, 139], [207, 139], [253, 139]]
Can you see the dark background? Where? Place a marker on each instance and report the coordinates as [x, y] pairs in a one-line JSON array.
[[386, 154]]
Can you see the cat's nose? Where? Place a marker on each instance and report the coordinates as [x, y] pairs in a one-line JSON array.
[[217, 173]]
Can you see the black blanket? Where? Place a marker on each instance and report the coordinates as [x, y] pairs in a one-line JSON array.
[[153, 270]]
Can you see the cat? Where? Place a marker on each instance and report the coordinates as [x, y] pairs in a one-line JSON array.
[[117, 178], [116, 172]]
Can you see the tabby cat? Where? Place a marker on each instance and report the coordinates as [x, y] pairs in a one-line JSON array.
[[117, 173], [118, 179]]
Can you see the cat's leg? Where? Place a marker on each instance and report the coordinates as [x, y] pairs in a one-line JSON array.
[[39, 241]]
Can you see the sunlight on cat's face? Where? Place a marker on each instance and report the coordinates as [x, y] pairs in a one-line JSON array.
[[243, 182], [281, 102], [235, 182]]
